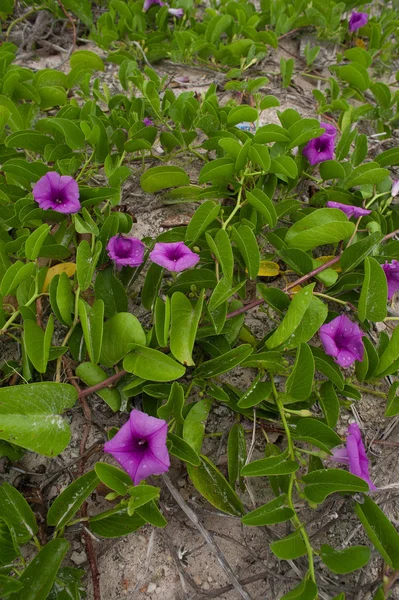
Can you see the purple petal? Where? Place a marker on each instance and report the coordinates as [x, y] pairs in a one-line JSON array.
[[143, 426], [58, 193], [357, 20], [395, 188], [149, 3], [392, 274], [149, 465], [349, 209], [176, 12], [329, 129], [147, 122], [174, 256], [319, 149], [342, 339], [345, 358], [358, 461], [129, 462], [125, 251], [121, 442], [327, 339], [339, 455]]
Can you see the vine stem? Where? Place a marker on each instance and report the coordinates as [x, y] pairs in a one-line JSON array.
[[293, 480], [22, 18], [106, 383], [68, 335], [237, 206]]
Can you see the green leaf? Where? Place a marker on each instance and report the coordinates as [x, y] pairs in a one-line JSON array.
[[284, 165], [296, 310], [8, 541], [390, 354], [115, 523], [112, 477], [322, 483], [312, 320], [393, 401], [201, 278], [259, 155], [290, 547], [86, 263], [245, 240], [35, 241], [317, 433], [222, 292], [151, 285], [29, 416], [109, 289], [152, 365], [331, 169], [236, 453], [326, 365], [92, 374], [61, 298], [262, 203], [211, 484], [18, 515], [140, 495], [202, 218], [221, 248], [269, 102], [120, 331], [389, 158], [329, 403], [173, 407], [223, 363], [217, 171], [16, 274], [39, 575], [38, 343], [356, 253], [355, 75], [306, 590], [379, 530], [324, 226], [162, 320], [92, 322], [160, 178], [86, 59], [374, 293], [182, 450], [151, 514], [185, 319], [269, 514], [241, 114], [8, 586], [194, 424], [300, 382], [257, 392], [273, 465], [71, 499], [369, 173], [73, 135], [346, 560]]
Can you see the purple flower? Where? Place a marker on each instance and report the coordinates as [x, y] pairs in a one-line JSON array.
[[57, 192], [174, 256], [342, 339], [140, 446], [321, 148], [392, 275], [357, 20], [395, 188], [349, 210], [149, 3], [176, 12], [147, 122], [354, 455], [125, 251]]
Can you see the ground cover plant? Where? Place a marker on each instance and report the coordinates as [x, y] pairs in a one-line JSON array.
[[141, 340]]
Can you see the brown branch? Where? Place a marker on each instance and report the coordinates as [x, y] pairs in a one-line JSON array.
[[106, 383], [70, 19]]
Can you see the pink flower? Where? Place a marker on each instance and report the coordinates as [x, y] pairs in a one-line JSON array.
[[357, 20], [148, 3], [125, 251], [57, 192], [147, 122], [354, 455], [174, 256], [176, 12], [392, 275], [349, 209], [140, 446], [321, 148], [395, 188], [342, 339]]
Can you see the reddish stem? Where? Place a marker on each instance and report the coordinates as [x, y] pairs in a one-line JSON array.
[[106, 383]]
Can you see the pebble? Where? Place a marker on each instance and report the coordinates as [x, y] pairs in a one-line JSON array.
[[181, 482], [197, 580], [158, 591], [141, 539], [79, 557], [151, 588], [206, 586]]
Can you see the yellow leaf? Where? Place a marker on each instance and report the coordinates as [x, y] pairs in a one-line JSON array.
[[360, 43], [295, 289], [324, 259], [69, 268], [268, 268]]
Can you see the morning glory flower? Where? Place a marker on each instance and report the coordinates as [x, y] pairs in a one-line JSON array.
[[125, 251], [392, 275], [176, 12], [342, 339], [140, 446], [174, 256], [354, 455], [357, 20], [395, 188], [149, 3], [321, 148], [57, 192], [147, 122], [349, 210]]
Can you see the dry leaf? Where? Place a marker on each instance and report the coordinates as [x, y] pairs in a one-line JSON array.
[[68, 268]]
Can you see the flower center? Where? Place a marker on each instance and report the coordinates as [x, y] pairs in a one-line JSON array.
[[123, 249], [143, 444]]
